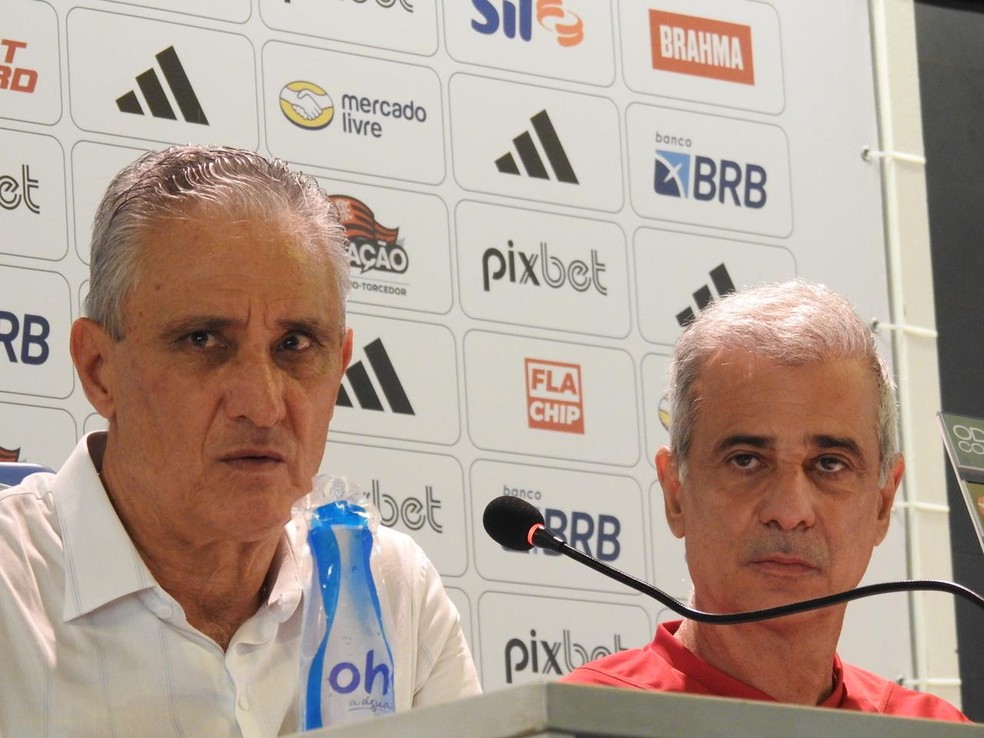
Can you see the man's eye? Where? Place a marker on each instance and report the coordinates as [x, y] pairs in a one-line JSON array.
[[200, 339], [744, 461], [830, 464], [296, 342]]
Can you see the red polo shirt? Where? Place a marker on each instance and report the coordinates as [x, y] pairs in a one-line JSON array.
[[666, 666]]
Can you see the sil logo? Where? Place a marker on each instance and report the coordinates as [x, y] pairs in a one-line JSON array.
[[306, 105]]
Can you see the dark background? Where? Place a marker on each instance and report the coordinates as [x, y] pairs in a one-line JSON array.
[[950, 42]]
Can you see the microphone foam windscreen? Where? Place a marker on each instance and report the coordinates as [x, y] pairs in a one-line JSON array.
[[508, 521]]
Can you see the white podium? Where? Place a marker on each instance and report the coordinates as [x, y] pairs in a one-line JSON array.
[[574, 711]]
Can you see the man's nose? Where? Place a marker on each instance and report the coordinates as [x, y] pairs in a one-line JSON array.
[[789, 501], [255, 389]]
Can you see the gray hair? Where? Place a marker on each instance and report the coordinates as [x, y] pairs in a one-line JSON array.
[[173, 182], [793, 323]]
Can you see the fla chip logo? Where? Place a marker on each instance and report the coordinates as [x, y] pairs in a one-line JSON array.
[[306, 105], [554, 396]]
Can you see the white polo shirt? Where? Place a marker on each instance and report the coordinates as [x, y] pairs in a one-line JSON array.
[[93, 646]]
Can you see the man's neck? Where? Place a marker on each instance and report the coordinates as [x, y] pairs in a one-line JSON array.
[[219, 589], [790, 659], [219, 584]]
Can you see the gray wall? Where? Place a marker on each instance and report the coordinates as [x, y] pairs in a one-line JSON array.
[[951, 73]]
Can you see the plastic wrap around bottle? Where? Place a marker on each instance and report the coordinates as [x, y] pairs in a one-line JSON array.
[[347, 670]]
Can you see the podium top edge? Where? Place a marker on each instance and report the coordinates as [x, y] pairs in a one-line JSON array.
[[577, 710]]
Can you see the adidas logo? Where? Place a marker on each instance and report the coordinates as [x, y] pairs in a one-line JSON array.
[[155, 96], [530, 156], [703, 297], [362, 386]]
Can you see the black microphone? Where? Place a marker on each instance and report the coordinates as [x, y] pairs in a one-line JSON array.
[[514, 523]]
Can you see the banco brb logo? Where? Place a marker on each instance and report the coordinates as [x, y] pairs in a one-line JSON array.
[[685, 176], [554, 400]]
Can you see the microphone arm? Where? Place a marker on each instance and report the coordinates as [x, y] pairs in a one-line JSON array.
[[543, 537]]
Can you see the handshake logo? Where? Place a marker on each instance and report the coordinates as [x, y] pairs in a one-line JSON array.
[[306, 105]]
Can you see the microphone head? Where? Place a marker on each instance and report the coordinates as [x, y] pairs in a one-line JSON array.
[[508, 521]]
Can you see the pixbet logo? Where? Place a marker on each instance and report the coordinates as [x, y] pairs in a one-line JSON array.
[[542, 267], [410, 511], [15, 192], [33, 331], [515, 20], [554, 399], [541, 656], [682, 175], [701, 47], [15, 79]]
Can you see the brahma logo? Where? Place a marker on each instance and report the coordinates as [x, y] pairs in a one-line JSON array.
[[515, 20], [306, 105], [702, 47], [14, 78], [554, 398]]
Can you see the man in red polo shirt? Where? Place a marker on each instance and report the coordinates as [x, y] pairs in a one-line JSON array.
[[780, 476]]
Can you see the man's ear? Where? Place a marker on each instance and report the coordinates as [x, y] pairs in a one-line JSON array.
[[91, 349], [886, 497], [669, 479]]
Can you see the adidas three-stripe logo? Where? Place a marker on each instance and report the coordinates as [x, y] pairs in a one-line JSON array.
[[362, 386], [155, 96], [529, 156], [703, 297]]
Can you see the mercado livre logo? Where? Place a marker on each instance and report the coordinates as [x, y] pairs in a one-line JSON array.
[[309, 105]]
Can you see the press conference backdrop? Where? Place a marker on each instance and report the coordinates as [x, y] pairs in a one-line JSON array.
[[539, 194]]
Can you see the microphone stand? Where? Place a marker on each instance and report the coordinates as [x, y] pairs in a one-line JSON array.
[[543, 537]]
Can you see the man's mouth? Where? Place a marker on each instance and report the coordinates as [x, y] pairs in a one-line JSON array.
[[784, 564], [251, 457]]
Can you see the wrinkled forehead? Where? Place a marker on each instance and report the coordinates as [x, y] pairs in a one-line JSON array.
[[733, 382], [209, 250]]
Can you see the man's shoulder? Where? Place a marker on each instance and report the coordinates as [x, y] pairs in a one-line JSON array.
[[872, 693], [636, 668], [401, 558], [27, 506]]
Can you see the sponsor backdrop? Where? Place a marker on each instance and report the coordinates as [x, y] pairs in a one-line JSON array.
[[539, 195]]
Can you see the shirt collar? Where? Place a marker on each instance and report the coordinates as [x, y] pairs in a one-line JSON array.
[[103, 565], [840, 688], [101, 562], [675, 653]]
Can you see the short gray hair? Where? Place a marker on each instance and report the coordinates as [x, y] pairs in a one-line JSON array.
[[173, 182], [793, 323]]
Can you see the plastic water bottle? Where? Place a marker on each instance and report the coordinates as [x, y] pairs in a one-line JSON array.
[[351, 674]]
